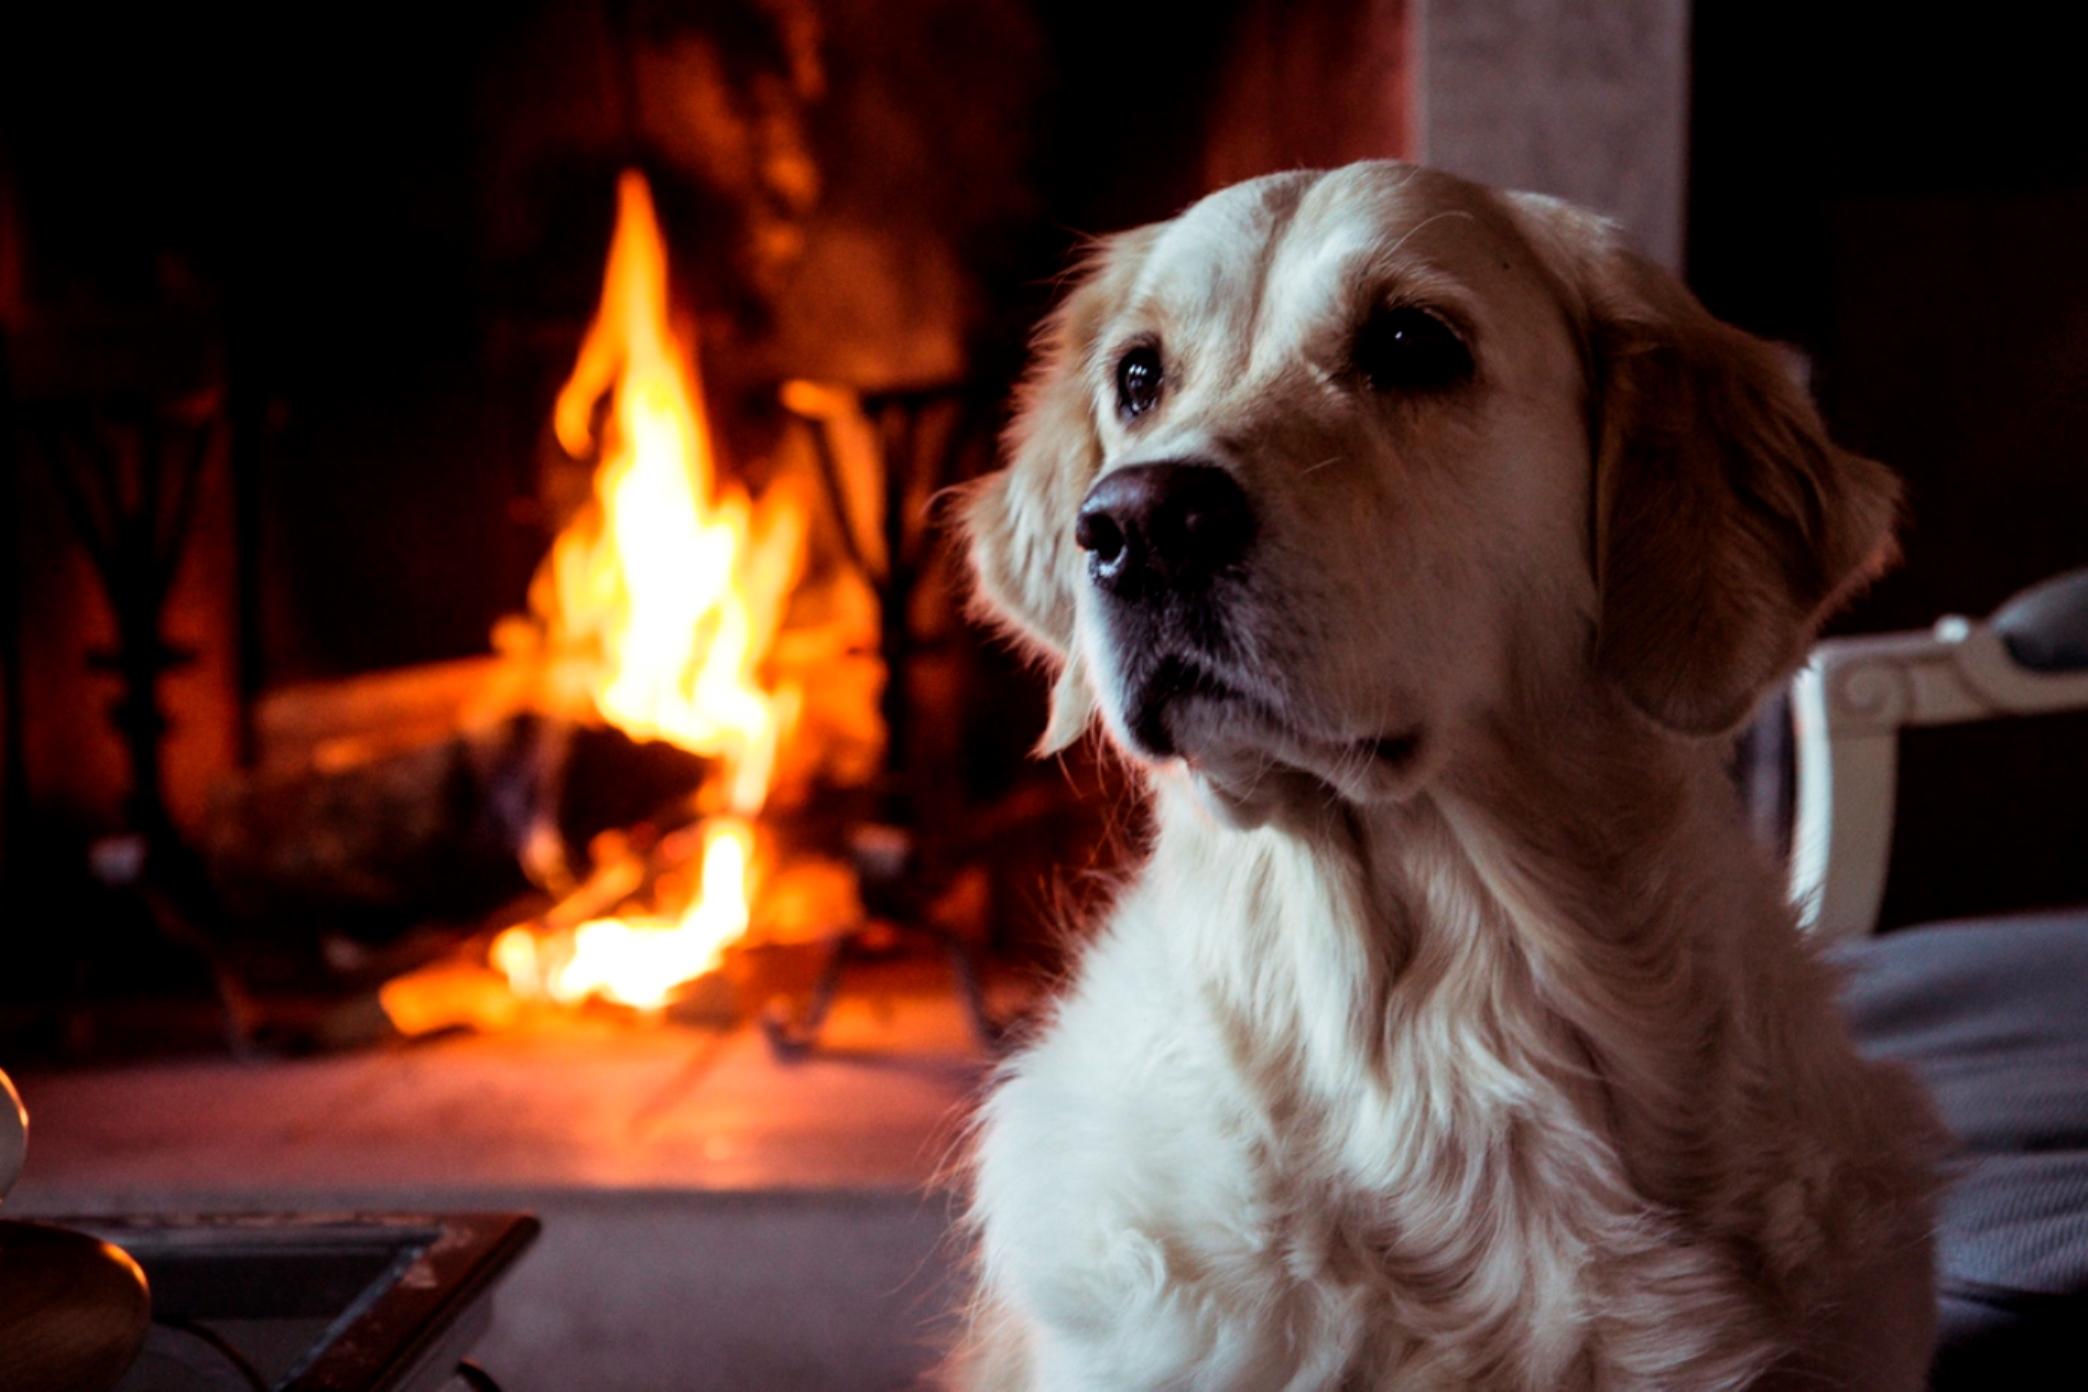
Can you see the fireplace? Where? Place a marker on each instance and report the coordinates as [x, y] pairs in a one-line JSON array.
[[476, 541]]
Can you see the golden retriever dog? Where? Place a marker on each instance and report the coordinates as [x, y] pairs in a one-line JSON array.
[[1419, 544]]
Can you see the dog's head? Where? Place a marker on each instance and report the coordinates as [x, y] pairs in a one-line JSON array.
[[1333, 469]]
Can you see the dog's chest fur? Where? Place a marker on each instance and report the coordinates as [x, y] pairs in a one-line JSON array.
[[1296, 1129]]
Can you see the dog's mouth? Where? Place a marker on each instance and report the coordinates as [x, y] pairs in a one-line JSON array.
[[1178, 705], [1155, 695], [1395, 751]]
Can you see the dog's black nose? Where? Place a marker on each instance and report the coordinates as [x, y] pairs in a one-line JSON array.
[[1163, 526]]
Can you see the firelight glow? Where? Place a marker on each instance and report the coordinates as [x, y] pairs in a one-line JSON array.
[[670, 587]]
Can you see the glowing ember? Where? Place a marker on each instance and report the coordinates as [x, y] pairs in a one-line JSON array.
[[640, 961]]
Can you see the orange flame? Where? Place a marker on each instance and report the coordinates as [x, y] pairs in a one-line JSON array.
[[677, 581], [672, 587], [640, 961]]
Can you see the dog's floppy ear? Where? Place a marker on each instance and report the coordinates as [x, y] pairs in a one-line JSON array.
[[1019, 522], [1725, 524]]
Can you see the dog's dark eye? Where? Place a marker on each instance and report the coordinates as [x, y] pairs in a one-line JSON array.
[[1138, 380], [1401, 348]]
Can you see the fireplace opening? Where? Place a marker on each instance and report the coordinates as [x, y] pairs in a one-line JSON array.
[[473, 511]]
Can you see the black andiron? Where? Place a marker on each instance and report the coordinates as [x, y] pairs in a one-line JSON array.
[[129, 474], [927, 439]]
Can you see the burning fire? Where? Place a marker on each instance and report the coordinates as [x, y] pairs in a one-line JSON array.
[[670, 588], [661, 609], [676, 582]]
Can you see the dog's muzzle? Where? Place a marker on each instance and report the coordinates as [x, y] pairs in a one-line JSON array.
[[1162, 541]]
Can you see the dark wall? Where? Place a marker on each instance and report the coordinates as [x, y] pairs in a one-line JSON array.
[[1907, 200], [296, 181]]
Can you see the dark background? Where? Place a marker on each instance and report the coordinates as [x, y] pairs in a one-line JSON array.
[[1908, 201]]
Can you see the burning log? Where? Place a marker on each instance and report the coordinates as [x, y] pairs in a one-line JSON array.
[[371, 841]]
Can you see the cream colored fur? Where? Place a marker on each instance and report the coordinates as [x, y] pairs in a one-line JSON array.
[[1501, 1065]]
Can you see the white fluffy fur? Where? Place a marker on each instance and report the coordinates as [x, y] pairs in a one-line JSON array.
[[1504, 1067]]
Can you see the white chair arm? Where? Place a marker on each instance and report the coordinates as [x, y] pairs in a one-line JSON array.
[[1848, 705]]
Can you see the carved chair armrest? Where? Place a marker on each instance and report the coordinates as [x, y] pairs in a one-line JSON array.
[[1853, 697]]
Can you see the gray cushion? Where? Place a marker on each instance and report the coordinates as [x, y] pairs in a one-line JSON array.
[[1993, 1014], [2046, 627]]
